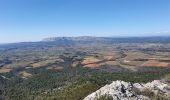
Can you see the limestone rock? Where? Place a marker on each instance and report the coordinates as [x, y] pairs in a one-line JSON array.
[[120, 90]]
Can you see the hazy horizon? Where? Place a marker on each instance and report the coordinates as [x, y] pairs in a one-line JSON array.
[[39, 40], [33, 20]]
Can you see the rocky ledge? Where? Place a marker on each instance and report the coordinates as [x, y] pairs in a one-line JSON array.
[[120, 90]]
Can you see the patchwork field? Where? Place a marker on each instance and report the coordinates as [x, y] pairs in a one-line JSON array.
[[155, 63], [48, 70]]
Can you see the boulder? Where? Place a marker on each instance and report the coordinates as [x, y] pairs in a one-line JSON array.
[[120, 90]]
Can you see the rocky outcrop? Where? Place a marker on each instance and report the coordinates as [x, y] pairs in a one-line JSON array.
[[120, 90]]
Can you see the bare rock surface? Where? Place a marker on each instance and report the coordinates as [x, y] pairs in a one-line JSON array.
[[120, 90]]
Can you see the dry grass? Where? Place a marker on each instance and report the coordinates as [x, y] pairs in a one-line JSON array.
[[90, 60], [97, 65], [5, 70], [109, 58], [55, 67], [132, 63], [24, 74], [164, 59], [43, 63], [155, 63], [111, 63], [135, 55], [36, 65], [75, 64]]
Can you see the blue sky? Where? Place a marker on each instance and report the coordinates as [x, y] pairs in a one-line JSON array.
[[32, 20]]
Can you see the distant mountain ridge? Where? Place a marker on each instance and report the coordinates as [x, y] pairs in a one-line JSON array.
[[81, 40], [75, 39], [90, 39], [69, 38]]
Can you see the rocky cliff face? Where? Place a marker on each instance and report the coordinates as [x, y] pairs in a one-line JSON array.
[[120, 90]]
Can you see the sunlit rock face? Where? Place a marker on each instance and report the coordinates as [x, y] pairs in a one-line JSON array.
[[120, 90]]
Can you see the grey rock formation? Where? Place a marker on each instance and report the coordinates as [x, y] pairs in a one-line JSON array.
[[120, 90]]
